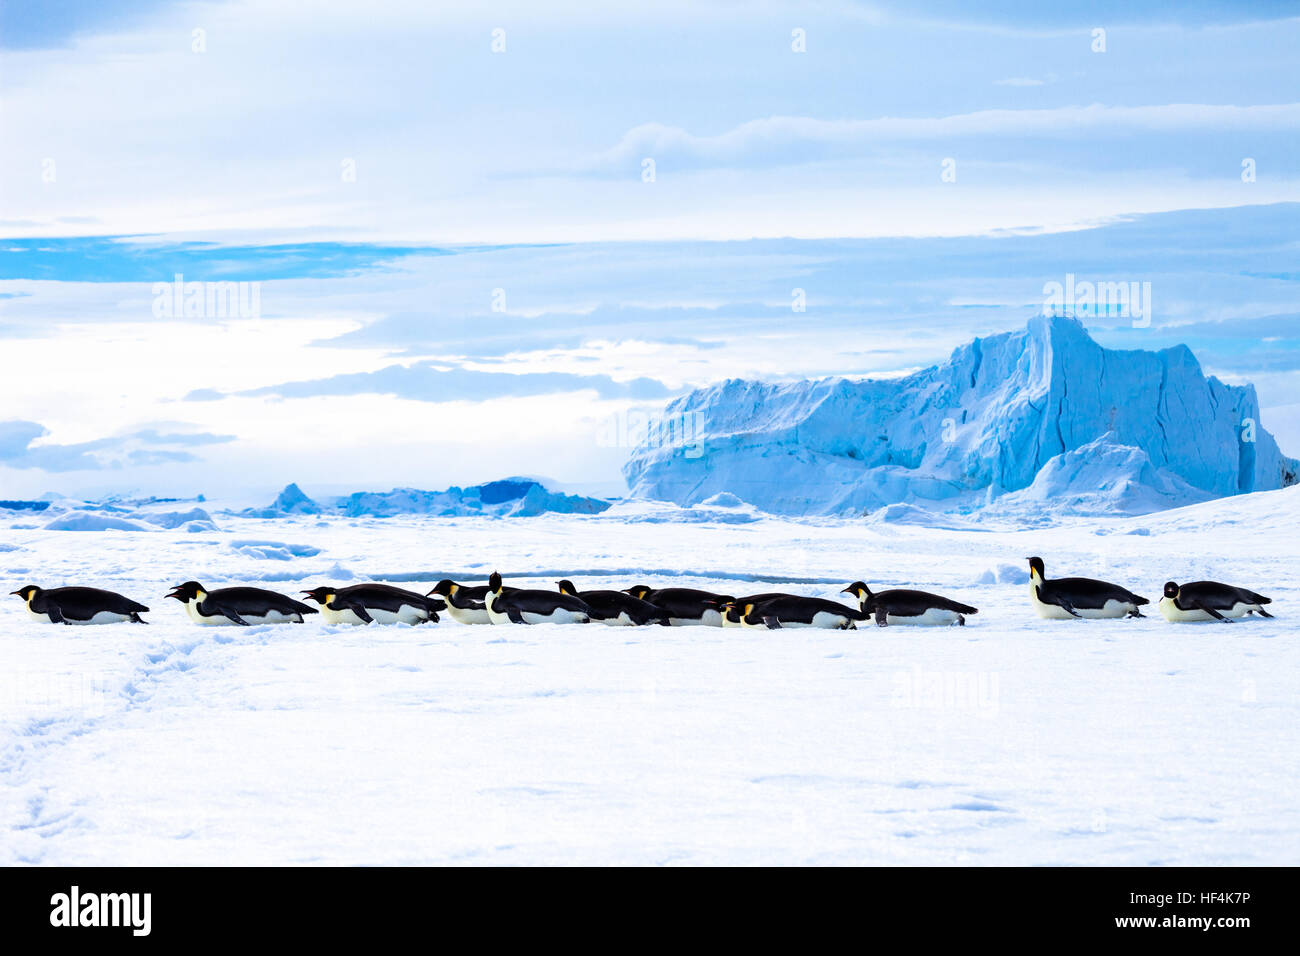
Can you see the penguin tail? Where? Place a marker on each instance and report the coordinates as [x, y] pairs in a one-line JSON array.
[[1138, 599]]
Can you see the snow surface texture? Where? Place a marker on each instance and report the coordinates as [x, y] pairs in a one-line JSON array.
[[1010, 741], [1045, 412]]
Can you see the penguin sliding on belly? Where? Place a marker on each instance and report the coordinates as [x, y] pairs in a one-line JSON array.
[[243, 606], [792, 610], [1064, 598], [80, 606], [374, 603], [903, 606], [1210, 601], [532, 607], [685, 607], [615, 607], [734, 610], [464, 604]]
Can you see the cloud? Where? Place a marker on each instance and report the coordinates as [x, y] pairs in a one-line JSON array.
[[143, 447], [1065, 14], [424, 382], [46, 24], [787, 140]]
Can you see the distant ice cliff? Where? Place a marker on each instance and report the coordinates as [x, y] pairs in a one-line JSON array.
[[1045, 414]]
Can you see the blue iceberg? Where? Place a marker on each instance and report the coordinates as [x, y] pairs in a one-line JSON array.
[[1045, 412]]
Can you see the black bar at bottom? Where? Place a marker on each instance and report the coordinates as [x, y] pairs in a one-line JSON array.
[[1223, 905]]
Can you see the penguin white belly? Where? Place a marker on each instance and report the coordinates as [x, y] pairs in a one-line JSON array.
[[1171, 612], [104, 617], [219, 620], [192, 609], [933, 617], [827, 620], [271, 617], [345, 616], [1112, 608], [559, 616], [101, 617], [495, 616], [406, 614], [707, 619], [621, 621], [469, 615]]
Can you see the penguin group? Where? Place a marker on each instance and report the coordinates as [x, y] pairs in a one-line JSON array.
[[1065, 598], [497, 604]]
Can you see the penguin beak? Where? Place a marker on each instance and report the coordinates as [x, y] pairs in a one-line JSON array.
[[16, 593], [847, 591], [175, 593]]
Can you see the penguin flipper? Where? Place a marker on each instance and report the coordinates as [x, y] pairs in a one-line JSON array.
[[359, 609], [233, 617], [1062, 603], [772, 623], [882, 617], [516, 616], [1212, 612], [56, 616]]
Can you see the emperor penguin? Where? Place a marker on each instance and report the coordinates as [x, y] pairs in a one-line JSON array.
[[733, 610], [616, 607], [371, 603], [684, 606], [1210, 601], [903, 606], [795, 611], [532, 607], [242, 606], [80, 606], [1064, 598], [464, 604]]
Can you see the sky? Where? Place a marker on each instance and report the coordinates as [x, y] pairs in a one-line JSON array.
[[481, 233]]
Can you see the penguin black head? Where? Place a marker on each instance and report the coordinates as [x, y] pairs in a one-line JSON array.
[[858, 589], [319, 595], [1036, 565], [27, 592], [1171, 589], [638, 591], [566, 587], [494, 582], [446, 587], [189, 591]]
